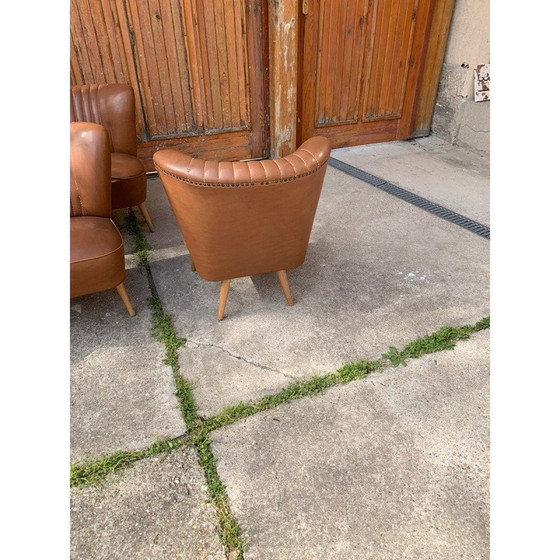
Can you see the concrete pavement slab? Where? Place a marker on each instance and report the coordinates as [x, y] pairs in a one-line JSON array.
[[379, 272], [157, 509], [394, 466], [208, 367], [122, 396], [432, 168]]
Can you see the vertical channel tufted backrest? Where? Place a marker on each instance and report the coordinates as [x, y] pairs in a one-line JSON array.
[[110, 105], [245, 218]]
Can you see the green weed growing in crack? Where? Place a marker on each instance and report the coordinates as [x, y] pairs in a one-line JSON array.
[[395, 357], [443, 339], [188, 406], [162, 323], [197, 430], [482, 324], [94, 473], [141, 245], [293, 391], [229, 529], [164, 331]]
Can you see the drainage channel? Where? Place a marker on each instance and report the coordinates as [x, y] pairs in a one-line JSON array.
[[425, 204]]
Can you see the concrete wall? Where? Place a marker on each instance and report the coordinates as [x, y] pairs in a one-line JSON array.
[[457, 117]]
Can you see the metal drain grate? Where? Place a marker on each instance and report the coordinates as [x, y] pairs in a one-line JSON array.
[[445, 213]]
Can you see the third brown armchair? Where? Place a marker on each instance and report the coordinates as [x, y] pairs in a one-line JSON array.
[[96, 245], [245, 218], [113, 106]]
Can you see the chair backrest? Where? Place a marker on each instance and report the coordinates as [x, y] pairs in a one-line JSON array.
[[244, 218], [111, 105], [90, 170]]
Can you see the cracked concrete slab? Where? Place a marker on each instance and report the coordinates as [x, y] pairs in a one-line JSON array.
[[210, 369], [379, 272], [122, 396], [394, 466], [157, 509]]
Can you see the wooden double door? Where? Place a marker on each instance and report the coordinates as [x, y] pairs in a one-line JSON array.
[[198, 69], [360, 68]]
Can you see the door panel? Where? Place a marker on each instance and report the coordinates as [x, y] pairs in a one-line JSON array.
[[384, 95], [339, 71], [161, 67], [224, 61], [196, 66], [361, 61]]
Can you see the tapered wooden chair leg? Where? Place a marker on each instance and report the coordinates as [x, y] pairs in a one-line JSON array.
[[224, 289], [283, 277], [124, 296], [144, 211], [193, 267]]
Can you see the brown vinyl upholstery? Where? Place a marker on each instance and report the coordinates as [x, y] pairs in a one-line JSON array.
[[96, 245], [245, 218], [113, 106]]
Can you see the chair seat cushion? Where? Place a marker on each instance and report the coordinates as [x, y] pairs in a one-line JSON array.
[[96, 255], [125, 166]]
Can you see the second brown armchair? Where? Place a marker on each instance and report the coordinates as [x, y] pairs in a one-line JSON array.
[[113, 106], [245, 218]]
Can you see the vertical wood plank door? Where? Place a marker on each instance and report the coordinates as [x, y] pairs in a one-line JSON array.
[[361, 67], [197, 67]]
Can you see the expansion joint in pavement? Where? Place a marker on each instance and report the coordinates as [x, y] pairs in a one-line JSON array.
[[164, 331]]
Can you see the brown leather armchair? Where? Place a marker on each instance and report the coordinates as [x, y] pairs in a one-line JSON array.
[[245, 218], [96, 245], [113, 106]]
